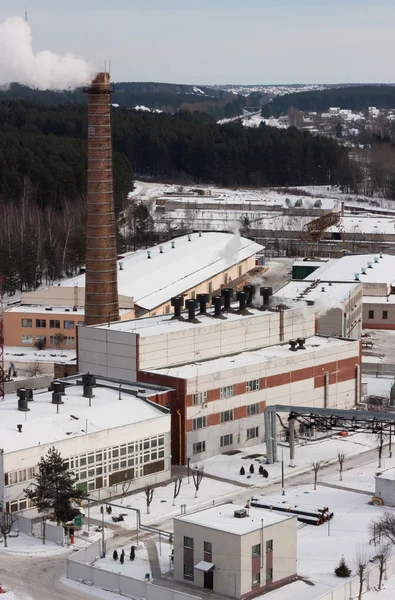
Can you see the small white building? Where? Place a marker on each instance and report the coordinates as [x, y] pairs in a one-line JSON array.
[[385, 487], [234, 551], [115, 435]]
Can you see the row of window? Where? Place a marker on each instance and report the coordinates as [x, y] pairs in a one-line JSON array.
[[225, 440], [384, 314], [256, 550], [67, 340], [225, 392], [18, 476], [256, 577], [226, 416], [53, 323], [189, 543]]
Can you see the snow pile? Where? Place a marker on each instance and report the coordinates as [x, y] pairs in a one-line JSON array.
[[143, 108]]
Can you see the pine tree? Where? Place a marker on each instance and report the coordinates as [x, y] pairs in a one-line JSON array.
[[342, 569], [54, 489]]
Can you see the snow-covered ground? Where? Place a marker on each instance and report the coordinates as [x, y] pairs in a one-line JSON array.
[[162, 503], [137, 568], [164, 554], [27, 545], [27, 354], [325, 450], [386, 593], [383, 345], [361, 478], [378, 386]]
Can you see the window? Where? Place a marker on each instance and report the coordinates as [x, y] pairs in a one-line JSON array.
[[240, 270], [27, 323], [227, 391], [22, 475], [199, 398], [371, 314], [41, 323], [188, 542], [210, 287], [81, 323], [252, 433], [252, 385], [253, 409], [269, 546], [199, 423], [68, 324], [226, 415], [193, 295], [13, 478], [269, 574], [256, 550], [54, 324], [385, 314], [27, 339], [226, 440], [188, 572], [199, 447], [167, 309], [69, 341], [256, 579], [208, 547]]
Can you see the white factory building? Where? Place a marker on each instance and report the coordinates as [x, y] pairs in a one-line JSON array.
[[116, 434], [234, 551], [225, 366], [338, 305], [376, 273]]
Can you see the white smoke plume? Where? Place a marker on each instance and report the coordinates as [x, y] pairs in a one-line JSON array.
[[43, 70], [233, 246]]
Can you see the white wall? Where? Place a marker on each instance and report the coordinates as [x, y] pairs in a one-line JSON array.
[[107, 353], [385, 489]]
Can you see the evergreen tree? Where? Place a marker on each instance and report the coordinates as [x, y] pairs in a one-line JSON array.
[[54, 489], [342, 569]]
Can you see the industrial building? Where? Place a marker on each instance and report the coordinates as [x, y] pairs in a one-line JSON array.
[[108, 433], [225, 365], [235, 551], [147, 280], [385, 487], [338, 305]]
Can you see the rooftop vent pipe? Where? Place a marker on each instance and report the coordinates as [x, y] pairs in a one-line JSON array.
[[148, 253], [22, 400], [57, 398], [356, 277], [265, 292], [191, 305], [88, 379], [227, 295], [88, 392], [322, 289], [301, 343], [160, 249], [177, 303], [19, 427], [376, 259], [381, 255], [363, 271], [241, 298], [370, 266], [189, 238], [203, 300], [217, 301], [292, 345], [173, 244], [30, 395], [250, 291], [200, 234]]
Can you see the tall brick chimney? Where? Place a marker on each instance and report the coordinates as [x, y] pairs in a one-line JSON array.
[[101, 285]]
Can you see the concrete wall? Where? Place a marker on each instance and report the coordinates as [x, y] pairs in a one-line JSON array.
[[24, 524], [33, 383], [80, 567], [64, 296], [107, 352], [385, 489], [378, 322]]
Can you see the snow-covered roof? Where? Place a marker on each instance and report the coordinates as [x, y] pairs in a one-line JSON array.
[[388, 474], [327, 291], [54, 310], [243, 359], [152, 282], [345, 269], [222, 518], [42, 425]]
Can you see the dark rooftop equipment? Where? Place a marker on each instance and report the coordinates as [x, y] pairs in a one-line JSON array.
[[30, 395], [241, 298], [265, 292], [177, 303], [249, 291], [293, 345], [227, 295], [19, 427], [22, 400], [58, 387], [191, 305], [301, 343], [217, 301], [88, 392], [88, 379], [57, 398], [203, 300]]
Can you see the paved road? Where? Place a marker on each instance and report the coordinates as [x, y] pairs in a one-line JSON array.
[[38, 578]]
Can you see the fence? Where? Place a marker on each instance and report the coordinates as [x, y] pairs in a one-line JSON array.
[[33, 383], [80, 567], [53, 533], [350, 588]]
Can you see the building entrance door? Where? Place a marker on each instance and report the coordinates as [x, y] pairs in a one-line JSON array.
[[209, 580]]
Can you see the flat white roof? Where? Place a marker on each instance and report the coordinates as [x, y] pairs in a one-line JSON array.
[[337, 291], [379, 299], [55, 310], [221, 518], [152, 282], [233, 361], [43, 425], [317, 262], [345, 268], [388, 474]]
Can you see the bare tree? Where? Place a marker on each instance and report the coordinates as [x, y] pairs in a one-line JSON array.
[[197, 475], [177, 488], [58, 339], [384, 527], [383, 553], [316, 467], [6, 522], [34, 369], [362, 560], [126, 483], [149, 494], [341, 456]]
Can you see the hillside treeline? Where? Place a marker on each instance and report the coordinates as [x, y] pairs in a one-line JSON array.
[[357, 98]]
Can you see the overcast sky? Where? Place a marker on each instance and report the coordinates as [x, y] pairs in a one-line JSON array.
[[221, 41]]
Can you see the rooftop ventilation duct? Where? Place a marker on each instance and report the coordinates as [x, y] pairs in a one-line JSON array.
[[189, 238], [363, 271], [88, 379], [173, 244], [265, 292], [322, 289], [160, 249], [23, 400], [30, 395], [57, 398], [356, 277], [376, 259], [217, 301], [203, 300], [191, 305], [249, 291], [292, 345], [177, 303], [241, 298], [241, 513], [148, 253], [200, 234], [301, 343], [381, 255], [58, 387], [227, 295], [370, 265], [19, 427]]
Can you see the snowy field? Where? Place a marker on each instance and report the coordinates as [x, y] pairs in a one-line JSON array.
[[361, 478], [22, 354], [326, 450], [27, 545], [162, 503], [136, 568]]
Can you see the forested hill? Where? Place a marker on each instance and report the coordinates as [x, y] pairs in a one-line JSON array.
[[156, 96], [351, 97], [47, 144]]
